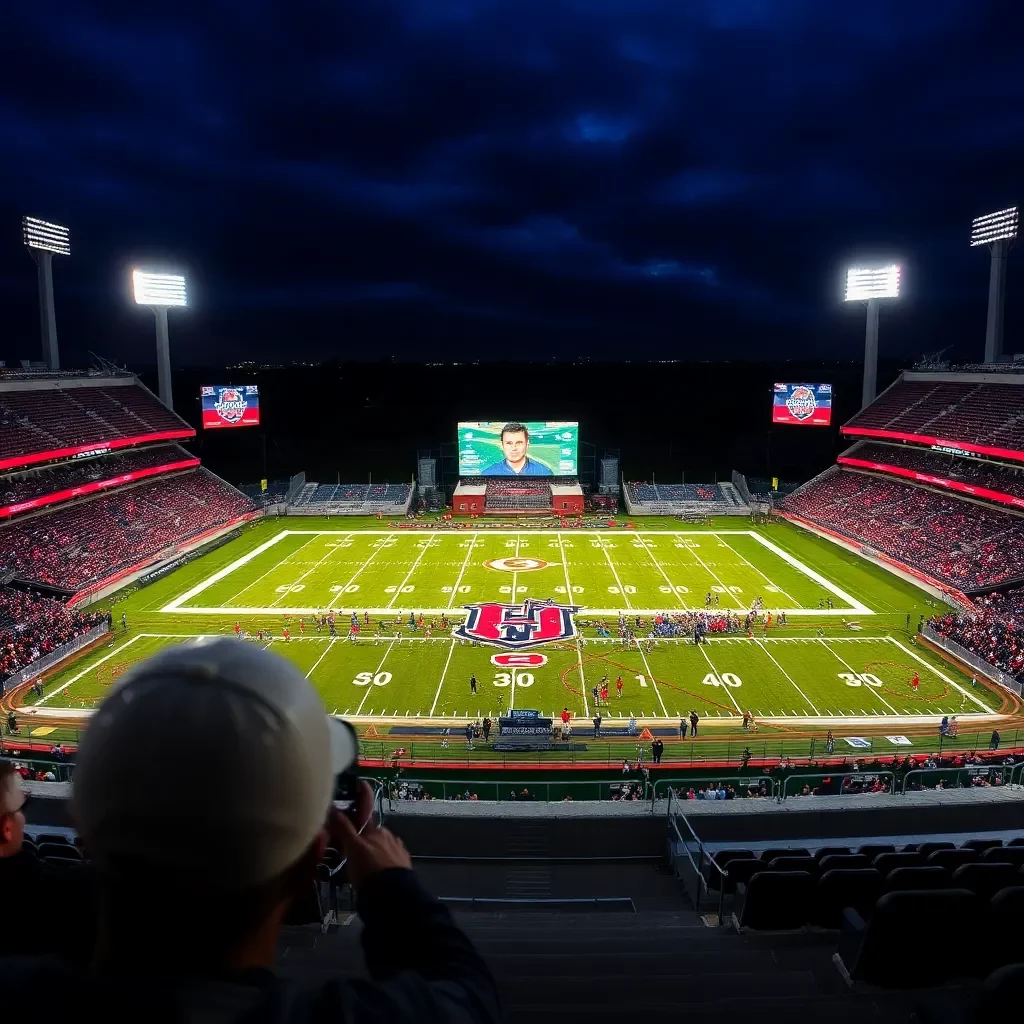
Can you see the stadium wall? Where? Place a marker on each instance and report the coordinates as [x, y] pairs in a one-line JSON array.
[[949, 595], [128, 576], [47, 662], [980, 666]]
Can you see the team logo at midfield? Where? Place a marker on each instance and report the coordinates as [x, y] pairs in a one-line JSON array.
[[231, 405], [801, 403], [518, 626], [516, 563]]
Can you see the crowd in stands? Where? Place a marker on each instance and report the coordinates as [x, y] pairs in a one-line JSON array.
[[994, 632], [1007, 479], [962, 543], [39, 420], [36, 483], [979, 413], [32, 626], [80, 544], [352, 497], [515, 494]]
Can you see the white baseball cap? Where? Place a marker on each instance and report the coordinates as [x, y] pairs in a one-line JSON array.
[[213, 758]]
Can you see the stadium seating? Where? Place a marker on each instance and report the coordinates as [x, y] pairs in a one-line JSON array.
[[351, 499], [83, 543], [1007, 479], [36, 483], [984, 413], [61, 417], [534, 493], [960, 543], [32, 626], [995, 631], [680, 499]]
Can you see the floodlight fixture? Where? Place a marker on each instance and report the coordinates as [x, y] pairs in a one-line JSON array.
[[45, 237], [160, 292], [45, 240], [998, 231], [995, 227], [873, 283], [158, 289]]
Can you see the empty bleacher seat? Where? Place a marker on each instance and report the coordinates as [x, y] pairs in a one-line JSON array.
[[742, 869], [1004, 855], [808, 864], [922, 877], [886, 862], [981, 845], [777, 900], [872, 850], [985, 879], [769, 854], [859, 888], [889, 950], [952, 859], [829, 851], [844, 860], [926, 849]]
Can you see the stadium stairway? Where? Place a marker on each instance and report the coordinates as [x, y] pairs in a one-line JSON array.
[[601, 967]]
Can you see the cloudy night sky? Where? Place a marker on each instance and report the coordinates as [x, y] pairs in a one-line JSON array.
[[509, 178]]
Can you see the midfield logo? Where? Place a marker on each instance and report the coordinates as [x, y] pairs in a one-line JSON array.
[[518, 626]]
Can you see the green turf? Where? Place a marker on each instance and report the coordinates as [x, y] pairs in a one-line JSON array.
[[851, 663]]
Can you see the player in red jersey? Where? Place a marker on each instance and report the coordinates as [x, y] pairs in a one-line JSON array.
[[915, 682], [618, 685]]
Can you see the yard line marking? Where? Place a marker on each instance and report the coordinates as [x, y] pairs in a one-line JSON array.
[[718, 675], [437, 696], [371, 686], [462, 571], [316, 565], [787, 675], [660, 568], [942, 676], [86, 671], [276, 565], [650, 675], [579, 649], [764, 576], [725, 590], [622, 591], [840, 660], [515, 575], [322, 656], [428, 544], [854, 604], [341, 593], [227, 570]]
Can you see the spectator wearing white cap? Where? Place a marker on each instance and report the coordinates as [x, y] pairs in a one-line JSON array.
[[203, 795]]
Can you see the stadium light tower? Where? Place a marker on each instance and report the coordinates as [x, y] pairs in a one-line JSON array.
[[871, 284], [43, 240], [160, 292], [998, 231]]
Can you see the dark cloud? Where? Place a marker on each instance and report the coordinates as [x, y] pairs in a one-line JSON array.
[[628, 175]]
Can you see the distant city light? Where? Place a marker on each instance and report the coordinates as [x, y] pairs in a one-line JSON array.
[[47, 237], [872, 283], [158, 289], [994, 227]]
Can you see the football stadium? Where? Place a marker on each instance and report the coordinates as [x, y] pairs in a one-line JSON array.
[[526, 730]]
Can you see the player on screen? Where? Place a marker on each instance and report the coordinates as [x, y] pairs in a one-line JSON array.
[[515, 440]]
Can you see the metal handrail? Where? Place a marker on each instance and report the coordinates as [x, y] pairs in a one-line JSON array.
[[536, 787], [702, 882], [842, 780], [716, 778], [973, 768]]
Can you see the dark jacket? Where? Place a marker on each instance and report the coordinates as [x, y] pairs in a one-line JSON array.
[[421, 968]]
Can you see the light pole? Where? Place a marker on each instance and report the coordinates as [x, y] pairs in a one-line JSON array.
[[159, 292], [43, 239], [998, 231], [871, 284]]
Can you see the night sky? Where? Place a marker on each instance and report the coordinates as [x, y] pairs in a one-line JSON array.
[[530, 179]]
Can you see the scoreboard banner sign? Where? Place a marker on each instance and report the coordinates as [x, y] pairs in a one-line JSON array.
[[808, 405], [231, 406], [513, 448]]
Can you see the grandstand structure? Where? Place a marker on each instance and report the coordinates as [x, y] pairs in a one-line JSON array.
[[559, 495], [313, 499], [652, 499], [933, 485], [94, 488]]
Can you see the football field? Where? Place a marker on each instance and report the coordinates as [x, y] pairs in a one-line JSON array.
[[844, 655]]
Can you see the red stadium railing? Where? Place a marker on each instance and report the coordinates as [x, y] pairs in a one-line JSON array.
[[937, 481], [31, 459], [94, 486]]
